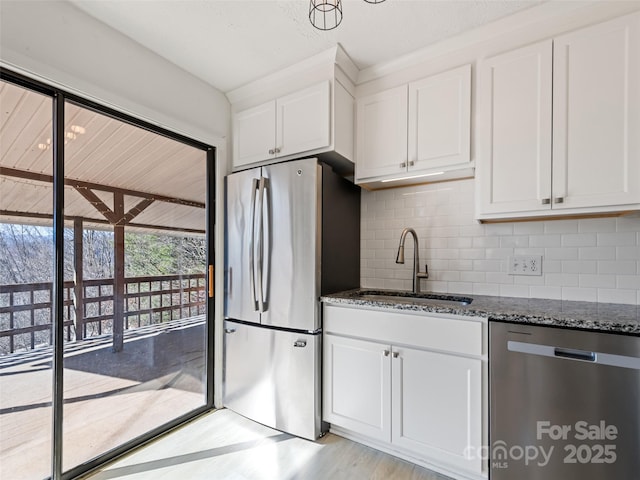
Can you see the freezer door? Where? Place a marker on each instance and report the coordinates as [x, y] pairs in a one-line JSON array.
[[291, 261], [273, 377], [241, 262]]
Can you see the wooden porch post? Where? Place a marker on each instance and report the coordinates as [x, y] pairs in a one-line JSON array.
[[78, 289], [118, 277]]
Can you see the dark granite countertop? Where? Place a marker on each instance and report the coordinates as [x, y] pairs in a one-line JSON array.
[[604, 317]]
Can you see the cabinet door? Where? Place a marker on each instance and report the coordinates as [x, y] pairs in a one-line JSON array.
[[513, 168], [254, 134], [596, 115], [437, 406], [303, 120], [381, 134], [357, 386], [440, 120]]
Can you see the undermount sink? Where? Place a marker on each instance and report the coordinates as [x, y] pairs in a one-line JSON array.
[[426, 298]]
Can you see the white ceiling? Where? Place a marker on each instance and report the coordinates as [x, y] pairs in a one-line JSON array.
[[231, 43]]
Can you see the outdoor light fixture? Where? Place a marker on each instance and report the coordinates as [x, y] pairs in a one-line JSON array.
[[327, 14]]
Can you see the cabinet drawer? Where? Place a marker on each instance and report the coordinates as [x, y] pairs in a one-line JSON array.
[[423, 330]]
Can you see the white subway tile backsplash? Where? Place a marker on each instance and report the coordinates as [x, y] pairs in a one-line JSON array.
[[513, 241], [580, 240], [617, 239], [487, 265], [561, 253], [628, 224], [472, 254], [514, 291], [579, 266], [499, 229], [628, 282], [628, 253], [500, 253], [484, 242], [545, 240], [597, 253], [610, 295], [486, 289], [528, 228], [594, 259], [473, 277], [498, 277], [544, 291], [621, 267], [465, 288], [562, 279], [561, 226], [580, 294], [598, 281], [597, 225], [551, 266]]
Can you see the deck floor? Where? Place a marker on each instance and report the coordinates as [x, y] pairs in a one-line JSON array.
[[110, 398]]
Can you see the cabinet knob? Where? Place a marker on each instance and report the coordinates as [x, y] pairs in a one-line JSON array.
[[546, 201], [558, 200], [271, 151], [277, 150], [403, 165], [396, 354], [385, 353], [412, 163]]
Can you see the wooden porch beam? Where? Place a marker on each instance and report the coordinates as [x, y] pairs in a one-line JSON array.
[[41, 177], [98, 204], [99, 221], [78, 272], [118, 275]]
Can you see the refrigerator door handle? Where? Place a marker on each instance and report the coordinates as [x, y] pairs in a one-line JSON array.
[[261, 188], [252, 278]]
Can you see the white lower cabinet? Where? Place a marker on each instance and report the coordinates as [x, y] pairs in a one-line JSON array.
[[412, 384], [359, 391], [436, 405]]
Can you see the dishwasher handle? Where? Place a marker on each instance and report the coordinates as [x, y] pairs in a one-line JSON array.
[[575, 354]]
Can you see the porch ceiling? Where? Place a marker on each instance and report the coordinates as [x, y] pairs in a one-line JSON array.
[[102, 155]]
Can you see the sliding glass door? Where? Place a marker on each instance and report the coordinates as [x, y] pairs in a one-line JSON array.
[[128, 334], [26, 282]]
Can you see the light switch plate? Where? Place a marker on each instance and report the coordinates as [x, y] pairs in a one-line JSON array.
[[525, 265]]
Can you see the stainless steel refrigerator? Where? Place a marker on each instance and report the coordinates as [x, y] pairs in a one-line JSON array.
[[292, 235]]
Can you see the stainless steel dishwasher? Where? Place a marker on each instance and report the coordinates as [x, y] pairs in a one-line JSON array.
[[564, 404]]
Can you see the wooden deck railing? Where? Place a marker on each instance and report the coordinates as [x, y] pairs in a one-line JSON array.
[[25, 309]]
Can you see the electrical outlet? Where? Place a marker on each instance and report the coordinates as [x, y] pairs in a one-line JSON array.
[[525, 265]]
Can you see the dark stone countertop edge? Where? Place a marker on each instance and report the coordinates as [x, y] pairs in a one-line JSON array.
[[593, 316]]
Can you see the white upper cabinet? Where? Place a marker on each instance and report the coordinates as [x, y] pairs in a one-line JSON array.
[[596, 115], [514, 165], [254, 134], [440, 120], [415, 129], [289, 125], [302, 120], [560, 125], [381, 135]]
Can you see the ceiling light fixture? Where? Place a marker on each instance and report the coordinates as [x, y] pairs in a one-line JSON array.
[[327, 14]]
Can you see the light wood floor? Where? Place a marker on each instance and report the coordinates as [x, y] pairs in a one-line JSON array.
[[225, 446]]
